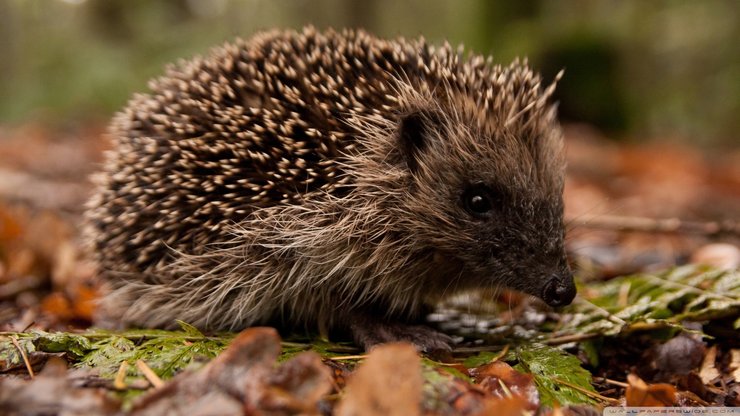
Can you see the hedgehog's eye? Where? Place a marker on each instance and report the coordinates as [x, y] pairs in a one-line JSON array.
[[477, 201]]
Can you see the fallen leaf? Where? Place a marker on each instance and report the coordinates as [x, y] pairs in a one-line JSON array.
[[52, 392], [708, 371], [58, 306], [246, 363], [581, 410], [502, 381], [641, 394], [297, 385], [735, 364], [389, 382], [77, 302], [446, 394], [244, 379], [506, 406]]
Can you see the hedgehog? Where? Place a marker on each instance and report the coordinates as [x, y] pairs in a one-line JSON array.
[[330, 180]]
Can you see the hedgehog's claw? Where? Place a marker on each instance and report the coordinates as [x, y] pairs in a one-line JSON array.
[[369, 333]]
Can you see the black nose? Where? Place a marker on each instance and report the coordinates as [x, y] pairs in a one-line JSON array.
[[559, 290]]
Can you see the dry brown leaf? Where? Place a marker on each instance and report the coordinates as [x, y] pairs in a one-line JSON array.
[[58, 306], [502, 381], [244, 379], [10, 226], [505, 406], [389, 382], [76, 303], [708, 371], [640, 393], [297, 385], [52, 392], [735, 364]]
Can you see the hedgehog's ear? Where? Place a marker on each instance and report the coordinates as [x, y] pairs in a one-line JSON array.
[[413, 132]]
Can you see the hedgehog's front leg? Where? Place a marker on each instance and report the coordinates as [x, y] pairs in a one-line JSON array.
[[368, 331]]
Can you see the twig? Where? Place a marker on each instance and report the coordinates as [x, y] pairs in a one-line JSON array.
[[349, 357], [136, 337], [608, 315], [506, 390], [591, 394], [613, 382], [477, 349], [150, 375], [501, 354], [119, 382], [658, 225], [14, 340], [570, 338]]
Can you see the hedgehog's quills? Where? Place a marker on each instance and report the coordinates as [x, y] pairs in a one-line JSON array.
[[329, 180]]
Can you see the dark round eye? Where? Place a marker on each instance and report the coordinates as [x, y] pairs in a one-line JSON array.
[[477, 201]]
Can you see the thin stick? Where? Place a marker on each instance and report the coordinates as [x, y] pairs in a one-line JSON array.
[[349, 357], [503, 385], [150, 375], [613, 382], [473, 350], [569, 338], [119, 382], [14, 340], [658, 225], [501, 354], [586, 392]]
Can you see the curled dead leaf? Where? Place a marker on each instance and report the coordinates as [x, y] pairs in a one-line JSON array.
[[389, 382], [244, 379], [502, 381], [506, 406], [641, 394], [735, 364]]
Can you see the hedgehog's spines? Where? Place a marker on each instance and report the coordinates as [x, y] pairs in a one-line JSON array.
[[265, 179]]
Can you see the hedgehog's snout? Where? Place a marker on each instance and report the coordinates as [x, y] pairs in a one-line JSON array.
[[559, 290]]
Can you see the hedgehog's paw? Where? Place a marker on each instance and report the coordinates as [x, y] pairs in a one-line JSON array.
[[369, 333]]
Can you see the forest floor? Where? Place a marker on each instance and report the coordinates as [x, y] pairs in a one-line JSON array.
[[653, 233]]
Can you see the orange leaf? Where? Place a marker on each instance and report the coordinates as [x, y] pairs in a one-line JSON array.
[[640, 393], [506, 406], [58, 306], [501, 380]]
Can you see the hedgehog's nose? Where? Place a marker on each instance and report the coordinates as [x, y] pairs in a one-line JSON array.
[[559, 290]]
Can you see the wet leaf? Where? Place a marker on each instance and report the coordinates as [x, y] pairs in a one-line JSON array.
[[687, 293], [75, 345], [548, 365], [481, 358]]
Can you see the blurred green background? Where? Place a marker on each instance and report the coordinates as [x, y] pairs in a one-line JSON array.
[[634, 69]]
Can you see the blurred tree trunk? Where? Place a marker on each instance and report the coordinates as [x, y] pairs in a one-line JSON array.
[[8, 15], [108, 18], [117, 19], [361, 13]]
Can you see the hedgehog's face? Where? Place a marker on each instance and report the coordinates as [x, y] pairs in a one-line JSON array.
[[491, 203]]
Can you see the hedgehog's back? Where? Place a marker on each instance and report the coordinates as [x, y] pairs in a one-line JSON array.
[[256, 124]]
